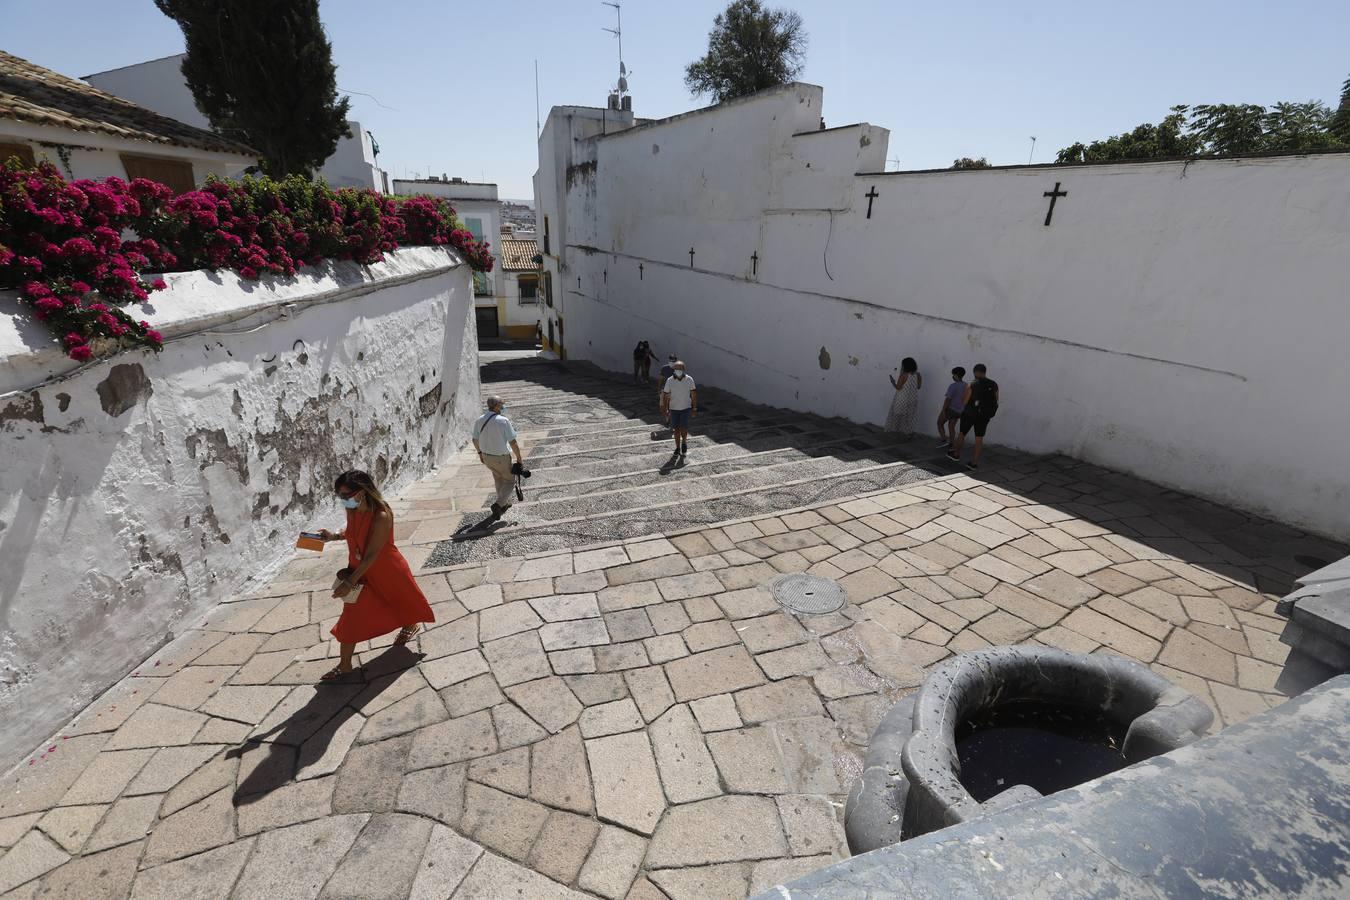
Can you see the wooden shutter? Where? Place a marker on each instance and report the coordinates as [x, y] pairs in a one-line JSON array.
[[176, 173], [23, 151]]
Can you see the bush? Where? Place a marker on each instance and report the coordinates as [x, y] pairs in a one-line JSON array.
[[64, 245]]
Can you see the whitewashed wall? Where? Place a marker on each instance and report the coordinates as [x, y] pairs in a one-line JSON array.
[[98, 156], [1184, 322], [141, 491]]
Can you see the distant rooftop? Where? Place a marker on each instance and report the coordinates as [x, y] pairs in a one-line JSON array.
[[29, 93], [518, 255]]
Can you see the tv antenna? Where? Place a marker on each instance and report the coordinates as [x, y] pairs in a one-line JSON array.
[[896, 161], [617, 31], [1033, 150]]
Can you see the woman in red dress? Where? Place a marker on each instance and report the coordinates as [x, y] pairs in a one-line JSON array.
[[390, 597]]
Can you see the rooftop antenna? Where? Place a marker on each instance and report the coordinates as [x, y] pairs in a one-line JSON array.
[[896, 160], [617, 31], [536, 100], [1033, 149]]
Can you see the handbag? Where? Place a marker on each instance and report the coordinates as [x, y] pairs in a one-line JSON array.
[[353, 594]]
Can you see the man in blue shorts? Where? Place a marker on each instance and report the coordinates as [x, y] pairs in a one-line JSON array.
[[679, 399]]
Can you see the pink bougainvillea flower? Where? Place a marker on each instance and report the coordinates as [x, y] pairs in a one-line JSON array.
[[81, 353]]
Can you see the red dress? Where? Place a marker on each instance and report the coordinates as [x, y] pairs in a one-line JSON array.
[[390, 598]]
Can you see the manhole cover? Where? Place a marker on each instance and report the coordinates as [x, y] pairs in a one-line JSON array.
[[807, 595]]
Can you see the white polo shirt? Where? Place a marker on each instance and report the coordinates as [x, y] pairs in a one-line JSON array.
[[680, 390]]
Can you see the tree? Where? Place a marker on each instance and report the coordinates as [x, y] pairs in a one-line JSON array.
[[750, 48], [1148, 141], [966, 162], [262, 72], [1222, 129], [1340, 122]]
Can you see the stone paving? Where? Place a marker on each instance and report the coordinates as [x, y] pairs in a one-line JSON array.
[[634, 720]]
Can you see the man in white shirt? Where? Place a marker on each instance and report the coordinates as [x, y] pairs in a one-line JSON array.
[[494, 437], [680, 399]]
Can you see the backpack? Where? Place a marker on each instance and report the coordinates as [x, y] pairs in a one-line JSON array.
[[984, 397]]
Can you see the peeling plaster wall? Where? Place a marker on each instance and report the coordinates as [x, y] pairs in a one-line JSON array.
[[1184, 322], [143, 490]]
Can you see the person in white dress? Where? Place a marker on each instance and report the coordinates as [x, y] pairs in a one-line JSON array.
[[905, 402]]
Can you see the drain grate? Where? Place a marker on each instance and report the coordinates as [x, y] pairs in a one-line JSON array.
[[808, 595]]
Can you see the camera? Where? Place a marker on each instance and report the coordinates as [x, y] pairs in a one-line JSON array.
[[520, 470]]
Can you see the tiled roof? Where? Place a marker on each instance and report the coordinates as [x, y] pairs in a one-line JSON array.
[[30, 93], [518, 255]]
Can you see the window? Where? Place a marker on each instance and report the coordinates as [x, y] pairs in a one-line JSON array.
[[546, 241], [475, 226], [548, 288], [176, 173], [23, 151], [529, 290], [482, 284]]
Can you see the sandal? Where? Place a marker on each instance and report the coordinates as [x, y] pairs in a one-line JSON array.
[[336, 672], [406, 634]]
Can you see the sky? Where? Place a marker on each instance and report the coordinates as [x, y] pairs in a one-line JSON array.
[[449, 87]]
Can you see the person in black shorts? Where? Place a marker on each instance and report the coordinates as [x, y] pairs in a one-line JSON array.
[[981, 403]]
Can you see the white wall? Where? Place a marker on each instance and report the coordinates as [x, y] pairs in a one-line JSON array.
[[94, 155], [353, 162], [1181, 321], [159, 85], [156, 84], [141, 491]]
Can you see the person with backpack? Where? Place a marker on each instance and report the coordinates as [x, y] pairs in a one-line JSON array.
[[643, 357], [980, 405], [494, 437]]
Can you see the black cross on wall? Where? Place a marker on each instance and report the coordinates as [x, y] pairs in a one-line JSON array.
[[754, 263], [1053, 195], [640, 268], [871, 195], [691, 257]]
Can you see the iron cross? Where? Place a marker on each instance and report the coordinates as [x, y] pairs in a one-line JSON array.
[[1053, 195], [640, 267], [691, 257], [754, 263], [871, 195]]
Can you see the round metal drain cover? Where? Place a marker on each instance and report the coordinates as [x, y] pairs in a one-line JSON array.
[[808, 595]]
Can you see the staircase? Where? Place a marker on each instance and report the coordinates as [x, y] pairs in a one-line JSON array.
[[599, 475]]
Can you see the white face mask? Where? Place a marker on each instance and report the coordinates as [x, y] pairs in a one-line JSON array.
[[351, 502], [679, 373]]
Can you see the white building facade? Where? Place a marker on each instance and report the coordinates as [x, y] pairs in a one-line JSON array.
[[479, 211], [158, 84], [1180, 321], [88, 133]]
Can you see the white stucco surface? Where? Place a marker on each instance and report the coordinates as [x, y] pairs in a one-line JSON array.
[[1184, 322], [142, 490]]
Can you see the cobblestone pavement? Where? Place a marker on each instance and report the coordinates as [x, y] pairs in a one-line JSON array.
[[635, 720]]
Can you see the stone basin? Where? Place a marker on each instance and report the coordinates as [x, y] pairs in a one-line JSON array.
[[995, 727]]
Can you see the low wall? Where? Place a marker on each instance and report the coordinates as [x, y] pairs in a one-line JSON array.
[[139, 491]]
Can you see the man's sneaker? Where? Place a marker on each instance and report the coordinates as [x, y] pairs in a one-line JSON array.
[[497, 510], [684, 450], [952, 454], [943, 445], [972, 466]]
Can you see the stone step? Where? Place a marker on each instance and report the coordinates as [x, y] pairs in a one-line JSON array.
[[641, 443], [508, 539], [699, 465], [612, 464], [601, 498]]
